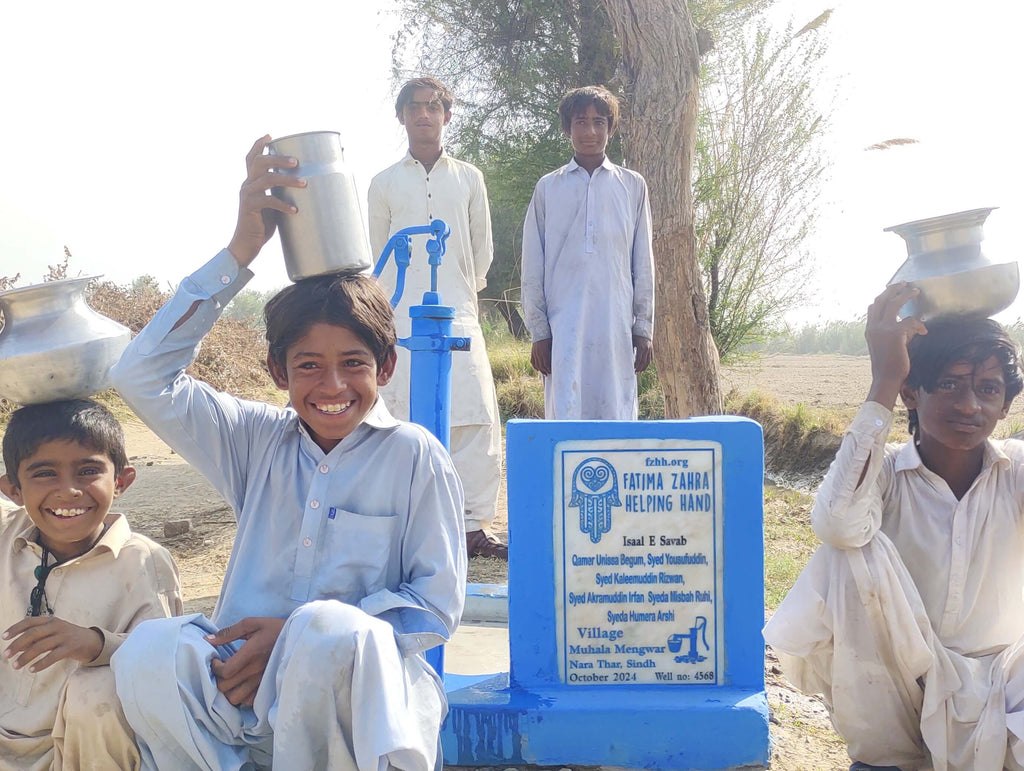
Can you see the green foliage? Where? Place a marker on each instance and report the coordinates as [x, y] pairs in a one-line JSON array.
[[759, 168], [843, 337], [247, 307], [509, 65]]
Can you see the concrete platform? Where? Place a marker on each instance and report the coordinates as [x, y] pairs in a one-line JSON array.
[[478, 649]]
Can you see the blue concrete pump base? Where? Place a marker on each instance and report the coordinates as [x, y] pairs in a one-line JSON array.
[[700, 728]]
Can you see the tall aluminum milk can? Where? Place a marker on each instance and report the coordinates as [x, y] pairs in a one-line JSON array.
[[946, 264], [326, 235]]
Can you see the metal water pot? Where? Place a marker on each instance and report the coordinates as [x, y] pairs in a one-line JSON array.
[[327, 234], [947, 265], [53, 345]]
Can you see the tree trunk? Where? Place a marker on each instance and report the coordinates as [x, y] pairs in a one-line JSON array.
[[660, 68]]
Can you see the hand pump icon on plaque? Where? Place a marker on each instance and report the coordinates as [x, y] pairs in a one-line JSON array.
[[596, 497], [675, 642]]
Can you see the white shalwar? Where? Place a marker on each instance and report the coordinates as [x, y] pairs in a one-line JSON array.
[[406, 195], [361, 549], [588, 286], [909, 618]]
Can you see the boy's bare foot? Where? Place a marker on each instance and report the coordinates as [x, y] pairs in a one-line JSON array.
[[483, 543]]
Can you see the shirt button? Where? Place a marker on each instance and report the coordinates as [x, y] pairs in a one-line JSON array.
[[225, 280], [57, 571], [307, 542], [314, 504], [879, 422], [324, 468]]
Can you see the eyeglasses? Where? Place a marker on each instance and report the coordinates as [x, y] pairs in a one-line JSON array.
[[434, 106]]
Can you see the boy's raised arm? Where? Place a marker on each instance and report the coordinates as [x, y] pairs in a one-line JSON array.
[[207, 428], [848, 507]]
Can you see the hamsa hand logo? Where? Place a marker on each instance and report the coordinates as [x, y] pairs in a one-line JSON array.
[[595, 491]]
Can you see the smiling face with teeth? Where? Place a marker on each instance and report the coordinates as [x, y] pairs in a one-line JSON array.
[[67, 488], [331, 376]]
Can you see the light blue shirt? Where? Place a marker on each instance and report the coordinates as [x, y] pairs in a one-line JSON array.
[[376, 522]]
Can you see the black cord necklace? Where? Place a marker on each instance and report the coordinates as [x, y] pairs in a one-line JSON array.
[[37, 599], [38, 596]]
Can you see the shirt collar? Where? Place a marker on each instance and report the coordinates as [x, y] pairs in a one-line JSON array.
[[908, 458], [377, 418], [408, 160], [112, 540], [605, 164]]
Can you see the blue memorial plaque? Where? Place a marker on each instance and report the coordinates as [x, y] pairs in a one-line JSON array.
[[638, 561]]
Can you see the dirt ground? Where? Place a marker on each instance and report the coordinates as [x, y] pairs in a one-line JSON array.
[[167, 489]]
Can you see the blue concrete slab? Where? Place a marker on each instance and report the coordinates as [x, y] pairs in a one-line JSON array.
[[490, 723]]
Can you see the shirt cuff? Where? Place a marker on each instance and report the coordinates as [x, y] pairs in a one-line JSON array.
[[539, 332], [217, 276], [871, 420], [111, 642], [416, 628]]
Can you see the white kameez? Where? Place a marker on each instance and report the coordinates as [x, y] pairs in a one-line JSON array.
[[406, 195], [361, 549], [910, 618], [588, 286]]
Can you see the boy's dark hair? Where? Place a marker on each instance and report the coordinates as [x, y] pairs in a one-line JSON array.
[[577, 101], [953, 339], [82, 421], [353, 301], [409, 91]]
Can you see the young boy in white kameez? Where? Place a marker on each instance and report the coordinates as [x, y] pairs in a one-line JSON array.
[[74, 581], [588, 271], [349, 561], [429, 184], [909, 618]]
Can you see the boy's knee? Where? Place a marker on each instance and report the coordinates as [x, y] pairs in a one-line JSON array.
[[90, 695], [333, 628]]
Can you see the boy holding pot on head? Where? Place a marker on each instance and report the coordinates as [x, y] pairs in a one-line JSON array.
[[349, 561], [429, 184], [74, 580], [909, 619], [588, 271]]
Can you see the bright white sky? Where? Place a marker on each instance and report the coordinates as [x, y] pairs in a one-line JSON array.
[[126, 124]]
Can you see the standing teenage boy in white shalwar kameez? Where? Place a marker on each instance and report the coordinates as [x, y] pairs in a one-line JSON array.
[[429, 184], [349, 559], [909, 618], [588, 271]]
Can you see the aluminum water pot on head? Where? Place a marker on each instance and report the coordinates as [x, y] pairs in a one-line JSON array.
[[53, 345], [326, 234], [947, 265]]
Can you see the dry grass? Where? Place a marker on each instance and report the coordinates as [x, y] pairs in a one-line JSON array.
[[798, 440], [788, 539], [233, 354]]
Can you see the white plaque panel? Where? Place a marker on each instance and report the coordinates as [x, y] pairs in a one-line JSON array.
[[638, 561]]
